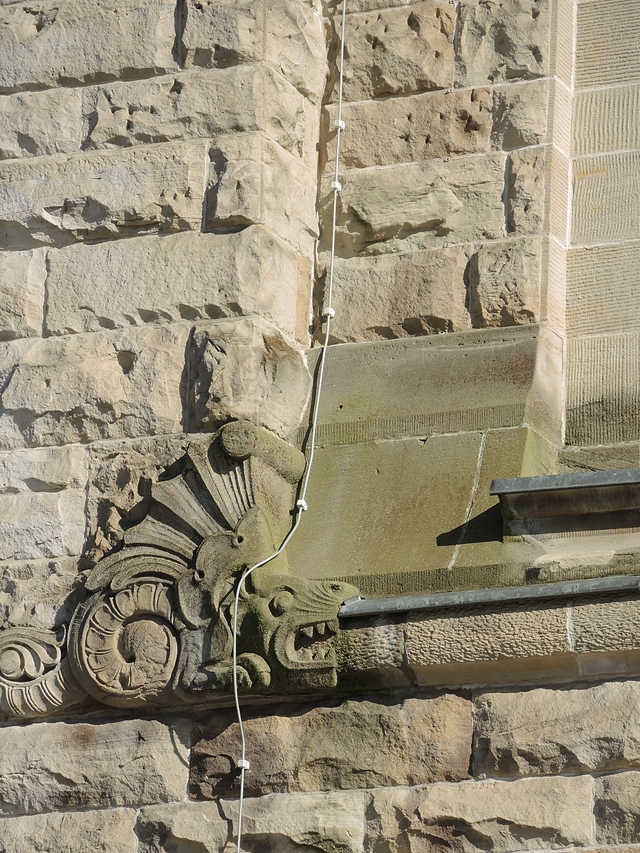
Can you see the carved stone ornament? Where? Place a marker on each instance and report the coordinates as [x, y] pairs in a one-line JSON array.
[[155, 627]]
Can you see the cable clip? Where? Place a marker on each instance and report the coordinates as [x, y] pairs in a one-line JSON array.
[[336, 185], [329, 312], [339, 123], [302, 505], [243, 764]]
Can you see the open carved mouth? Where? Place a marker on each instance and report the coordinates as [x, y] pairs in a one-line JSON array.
[[312, 642]]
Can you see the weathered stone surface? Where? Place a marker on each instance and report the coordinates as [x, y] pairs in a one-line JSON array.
[[376, 649], [22, 276], [601, 626], [500, 816], [55, 526], [120, 478], [608, 458], [43, 470], [289, 36], [41, 593], [617, 808], [440, 124], [399, 51], [505, 41], [103, 831], [48, 44], [253, 181], [504, 284], [419, 205], [357, 744], [82, 388], [240, 99], [547, 731], [397, 296], [173, 278], [514, 634], [247, 369], [527, 191], [195, 826], [39, 123], [49, 766], [101, 194], [331, 823]]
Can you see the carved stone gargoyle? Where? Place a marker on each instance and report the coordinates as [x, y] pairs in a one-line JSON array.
[[155, 627]]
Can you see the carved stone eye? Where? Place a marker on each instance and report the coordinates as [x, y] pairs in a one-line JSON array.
[[281, 602]]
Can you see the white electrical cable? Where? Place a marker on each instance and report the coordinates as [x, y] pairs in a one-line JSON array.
[[301, 504]]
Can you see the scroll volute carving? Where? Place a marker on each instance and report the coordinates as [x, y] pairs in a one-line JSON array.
[[156, 625]]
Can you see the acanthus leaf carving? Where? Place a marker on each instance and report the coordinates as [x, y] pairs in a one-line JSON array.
[[155, 627]]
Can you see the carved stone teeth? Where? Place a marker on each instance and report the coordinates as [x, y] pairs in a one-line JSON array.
[[321, 627], [307, 631]]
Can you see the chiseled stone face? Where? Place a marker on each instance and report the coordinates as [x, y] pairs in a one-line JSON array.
[[102, 831], [616, 808], [357, 744], [52, 766], [549, 731]]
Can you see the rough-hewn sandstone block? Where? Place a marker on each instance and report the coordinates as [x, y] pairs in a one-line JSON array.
[[548, 731], [440, 124], [499, 816], [288, 35], [332, 822], [120, 478], [48, 43], [247, 369], [485, 637], [420, 205], [617, 808], [504, 284], [49, 766], [82, 388], [103, 831], [527, 191], [171, 279], [254, 181], [397, 296], [363, 744], [22, 276], [39, 123], [45, 486], [101, 194], [184, 106], [39, 593], [506, 41], [399, 51], [168, 828]]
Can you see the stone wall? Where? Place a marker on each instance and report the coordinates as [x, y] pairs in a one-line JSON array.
[[543, 768], [165, 208]]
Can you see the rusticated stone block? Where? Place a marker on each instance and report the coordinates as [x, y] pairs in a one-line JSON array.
[[82, 388], [550, 731], [499, 816], [48, 43], [419, 205], [488, 636], [505, 41], [601, 626], [247, 369], [51, 766], [504, 284], [101, 194], [253, 181], [38, 593], [38, 123], [172, 827], [22, 276], [358, 744], [240, 99], [527, 191], [399, 51], [179, 277], [617, 808], [102, 831], [289, 36], [398, 296]]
